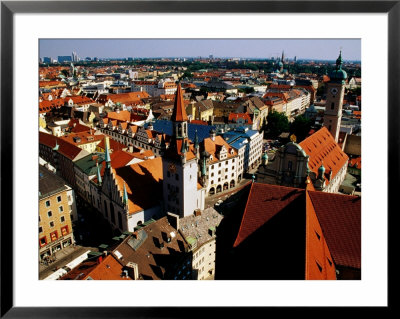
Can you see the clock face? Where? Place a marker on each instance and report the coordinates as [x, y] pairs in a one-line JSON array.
[[172, 167], [334, 91]]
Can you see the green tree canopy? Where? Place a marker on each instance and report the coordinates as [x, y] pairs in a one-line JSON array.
[[300, 127], [277, 123]]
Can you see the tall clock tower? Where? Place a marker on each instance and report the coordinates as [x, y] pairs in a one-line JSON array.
[[180, 168], [334, 99]]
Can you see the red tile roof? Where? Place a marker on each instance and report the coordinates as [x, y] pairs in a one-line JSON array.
[[179, 112], [319, 262], [82, 137], [355, 162], [322, 149], [340, 220], [114, 145], [233, 117], [264, 202], [107, 269], [140, 180], [65, 148], [213, 147], [47, 106], [336, 218]]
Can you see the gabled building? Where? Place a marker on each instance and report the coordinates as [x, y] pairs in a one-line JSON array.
[[318, 157], [129, 195], [60, 154]]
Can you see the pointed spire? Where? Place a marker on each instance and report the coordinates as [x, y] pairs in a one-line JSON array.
[[107, 157], [203, 167], [56, 147], [196, 140], [183, 149], [339, 61], [125, 196], [179, 112], [99, 181]]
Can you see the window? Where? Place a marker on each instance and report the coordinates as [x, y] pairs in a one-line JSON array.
[[51, 224], [49, 213], [60, 209], [332, 105], [47, 203], [62, 219], [59, 198], [168, 174], [64, 230], [177, 177], [42, 241], [53, 236], [40, 230]]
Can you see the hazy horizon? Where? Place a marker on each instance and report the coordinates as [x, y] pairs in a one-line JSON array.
[[317, 49]]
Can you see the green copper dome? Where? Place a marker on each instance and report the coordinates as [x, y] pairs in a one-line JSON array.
[[338, 75], [321, 170]]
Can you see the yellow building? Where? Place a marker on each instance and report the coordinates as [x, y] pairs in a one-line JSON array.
[[202, 110], [56, 205]]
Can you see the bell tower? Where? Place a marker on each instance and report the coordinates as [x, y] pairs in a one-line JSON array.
[[334, 99], [180, 168]]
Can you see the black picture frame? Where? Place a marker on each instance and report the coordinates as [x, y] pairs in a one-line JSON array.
[[9, 8]]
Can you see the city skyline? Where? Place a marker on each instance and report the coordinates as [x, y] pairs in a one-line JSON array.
[[317, 49]]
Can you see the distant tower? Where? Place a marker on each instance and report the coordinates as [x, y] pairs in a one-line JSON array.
[[180, 168], [282, 62], [334, 99]]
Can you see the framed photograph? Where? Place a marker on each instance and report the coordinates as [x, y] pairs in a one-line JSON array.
[[26, 25]]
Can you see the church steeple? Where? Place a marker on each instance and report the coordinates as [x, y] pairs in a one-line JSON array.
[[125, 197], [179, 117], [99, 181], [107, 151]]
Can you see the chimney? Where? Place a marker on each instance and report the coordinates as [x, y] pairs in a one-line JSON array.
[[99, 260], [131, 148], [133, 270], [197, 212], [173, 220]]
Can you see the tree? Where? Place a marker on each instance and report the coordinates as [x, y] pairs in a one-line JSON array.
[[277, 123], [300, 127], [186, 75]]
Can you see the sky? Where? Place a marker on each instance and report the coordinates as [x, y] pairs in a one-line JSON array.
[[321, 49]]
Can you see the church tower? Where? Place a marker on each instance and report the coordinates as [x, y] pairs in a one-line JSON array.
[[180, 168], [334, 99]]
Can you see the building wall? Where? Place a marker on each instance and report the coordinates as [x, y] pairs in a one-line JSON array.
[[222, 173], [55, 231], [203, 262]]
